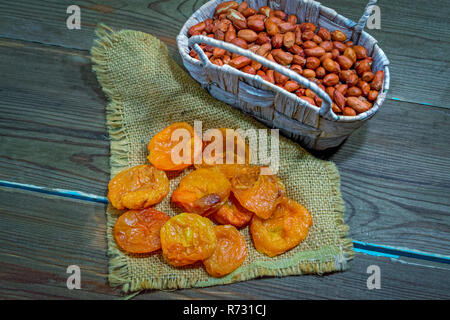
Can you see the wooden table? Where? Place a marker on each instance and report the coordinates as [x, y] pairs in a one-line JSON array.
[[395, 169]]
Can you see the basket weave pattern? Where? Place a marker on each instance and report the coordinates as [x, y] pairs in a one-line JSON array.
[[314, 127]]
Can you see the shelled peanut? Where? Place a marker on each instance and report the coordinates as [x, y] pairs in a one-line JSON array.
[[340, 68]]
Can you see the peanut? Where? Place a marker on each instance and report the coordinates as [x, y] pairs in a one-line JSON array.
[[320, 72], [308, 99], [324, 33], [364, 86], [295, 49], [242, 7], [292, 19], [367, 76], [280, 78], [225, 6], [330, 79], [349, 112], [270, 75], [289, 39], [265, 10], [339, 98], [271, 27], [240, 43], [338, 35], [249, 69], [350, 53], [308, 26], [342, 88], [264, 49], [358, 105], [230, 35], [354, 91], [308, 73], [377, 81], [277, 40], [263, 37], [329, 65], [361, 52], [344, 62], [198, 28], [312, 63], [373, 95], [314, 52], [256, 25], [297, 68], [237, 18], [240, 62], [291, 86], [248, 35], [282, 57], [308, 44], [327, 45], [299, 60], [286, 27], [339, 46], [279, 14]]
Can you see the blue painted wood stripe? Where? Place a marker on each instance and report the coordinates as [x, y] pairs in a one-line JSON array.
[[403, 252], [56, 192], [359, 246]]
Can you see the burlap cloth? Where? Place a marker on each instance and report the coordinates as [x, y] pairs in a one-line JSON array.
[[147, 92]]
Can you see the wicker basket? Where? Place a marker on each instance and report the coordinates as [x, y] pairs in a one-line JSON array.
[[314, 127]]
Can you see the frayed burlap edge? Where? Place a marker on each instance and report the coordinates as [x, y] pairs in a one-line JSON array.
[[336, 258]]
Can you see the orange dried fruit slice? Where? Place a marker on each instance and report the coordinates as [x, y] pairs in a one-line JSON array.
[[284, 230], [187, 238], [137, 231], [233, 213], [257, 193], [202, 191], [174, 147], [225, 146], [138, 187], [230, 252]]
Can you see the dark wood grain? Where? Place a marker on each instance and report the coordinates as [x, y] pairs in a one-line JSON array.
[[394, 170], [415, 36], [52, 108], [40, 236], [395, 178]]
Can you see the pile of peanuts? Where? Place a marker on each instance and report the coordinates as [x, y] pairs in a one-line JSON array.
[[329, 59]]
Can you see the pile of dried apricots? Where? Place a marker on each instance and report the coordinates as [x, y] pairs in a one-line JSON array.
[[231, 194], [340, 68]]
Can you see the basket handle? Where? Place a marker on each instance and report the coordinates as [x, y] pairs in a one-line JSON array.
[[325, 109], [359, 27]]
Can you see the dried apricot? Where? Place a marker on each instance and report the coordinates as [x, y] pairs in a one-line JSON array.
[[233, 213], [187, 238], [202, 191], [255, 192], [173, 148], [137, 231], [285, 229], [226, 150], [138, 187], [230, 252], [225, 146]]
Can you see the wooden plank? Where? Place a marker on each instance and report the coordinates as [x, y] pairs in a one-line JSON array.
[[40, 236], [52, 108], [417, 39], [394, 170], [395, 178]]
